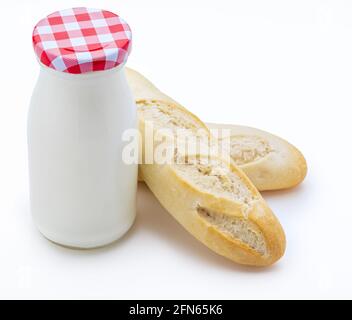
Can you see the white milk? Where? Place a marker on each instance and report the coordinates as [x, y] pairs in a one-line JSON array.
[[82, 194]]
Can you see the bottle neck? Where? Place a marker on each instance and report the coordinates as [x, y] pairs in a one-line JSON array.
[[96, 76], [108, 84]]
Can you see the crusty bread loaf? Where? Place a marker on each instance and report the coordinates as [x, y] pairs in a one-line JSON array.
[[269, 161], [209, 196]]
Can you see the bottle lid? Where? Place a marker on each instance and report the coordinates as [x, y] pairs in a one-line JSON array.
[[81, 40]]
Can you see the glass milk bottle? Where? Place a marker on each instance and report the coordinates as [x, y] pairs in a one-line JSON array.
[[82, 193]]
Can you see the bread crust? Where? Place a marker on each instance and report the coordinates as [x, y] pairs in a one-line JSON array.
[[283, 167], [143, 89]]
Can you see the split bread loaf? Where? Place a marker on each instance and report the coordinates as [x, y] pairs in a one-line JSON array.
[[269, 161], [209, 196]]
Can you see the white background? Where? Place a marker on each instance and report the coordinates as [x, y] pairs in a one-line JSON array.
[[283, 66]]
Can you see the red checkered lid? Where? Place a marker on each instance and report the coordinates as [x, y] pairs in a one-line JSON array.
[[81, 40]]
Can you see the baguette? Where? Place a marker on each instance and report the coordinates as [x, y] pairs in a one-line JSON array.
[[208, 195], [269, 161]]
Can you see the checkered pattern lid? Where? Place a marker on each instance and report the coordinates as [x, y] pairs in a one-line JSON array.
[[81, 40]]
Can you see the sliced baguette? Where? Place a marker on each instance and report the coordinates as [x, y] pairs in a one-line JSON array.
[[209, 196], [269, 161]]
